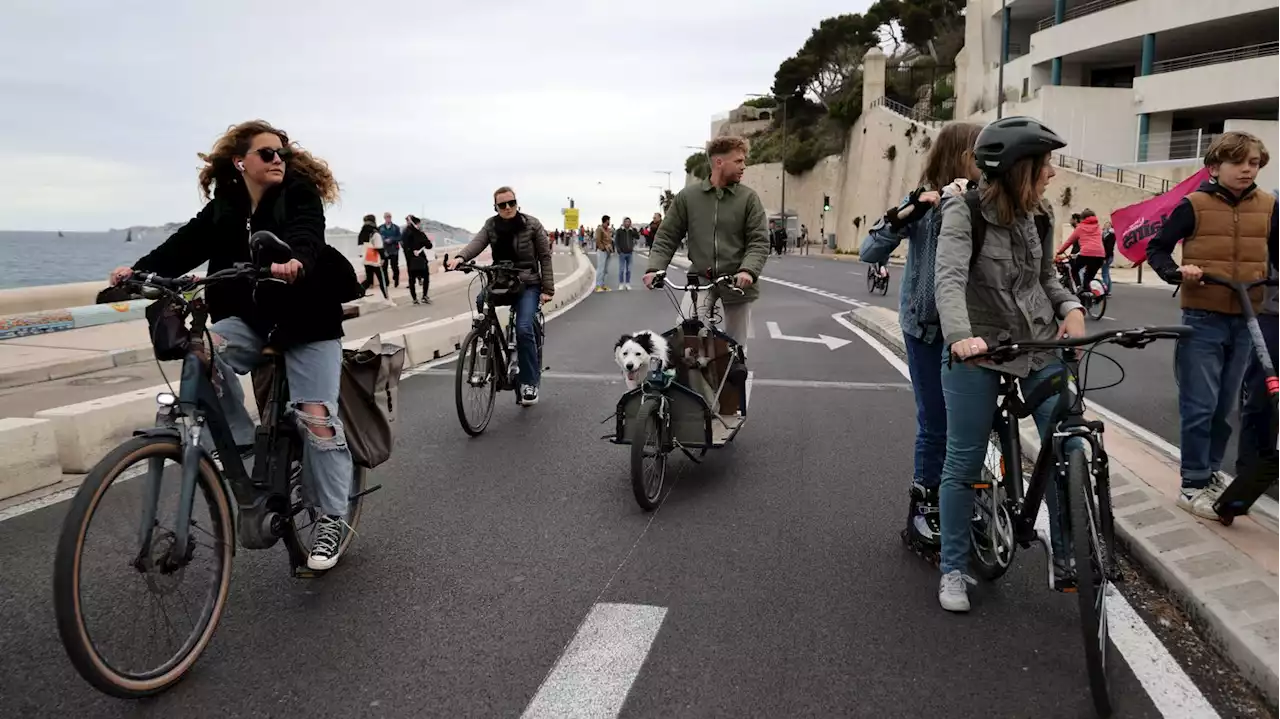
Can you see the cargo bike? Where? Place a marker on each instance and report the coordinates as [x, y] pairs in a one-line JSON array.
[[693, 401]]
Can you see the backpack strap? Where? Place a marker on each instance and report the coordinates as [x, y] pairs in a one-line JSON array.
[[979, 224]]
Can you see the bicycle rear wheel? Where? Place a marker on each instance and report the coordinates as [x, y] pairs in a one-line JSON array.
[[1098, 307], [303, 517], [476, 381], [87, 621], [884, 285], [991, 546], [648, 455], [1091, 577], [871, 278]]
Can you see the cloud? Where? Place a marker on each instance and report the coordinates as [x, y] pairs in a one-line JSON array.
[[420, 107]]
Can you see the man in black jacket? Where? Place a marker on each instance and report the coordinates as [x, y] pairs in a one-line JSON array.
[[624, 243], [417, 259]]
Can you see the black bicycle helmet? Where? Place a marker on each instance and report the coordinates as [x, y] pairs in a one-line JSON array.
[[1005, 141]]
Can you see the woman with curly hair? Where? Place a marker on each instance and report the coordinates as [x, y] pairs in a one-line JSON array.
[[253, 180]]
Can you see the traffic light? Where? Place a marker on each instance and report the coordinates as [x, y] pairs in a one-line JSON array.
[[826, 203]]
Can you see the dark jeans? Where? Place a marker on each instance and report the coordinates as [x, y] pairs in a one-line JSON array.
[[924, 360], [1210, 366], [526, 306], [423, 276], [370, 272], [394, 261], [1089, 267], [1257, 435]]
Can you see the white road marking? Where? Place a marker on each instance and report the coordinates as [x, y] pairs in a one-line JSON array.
[[888, 354], [593, 676], [832, 343], [1168, 686]]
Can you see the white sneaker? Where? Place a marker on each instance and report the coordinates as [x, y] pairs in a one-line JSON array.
[[953, 592], [1200, 501]]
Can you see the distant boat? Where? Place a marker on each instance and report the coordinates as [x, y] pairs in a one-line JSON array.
[[129, 237], [60, 234]]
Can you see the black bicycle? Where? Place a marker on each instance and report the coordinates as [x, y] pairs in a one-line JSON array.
[[487, 362], [1005, 513], [1093, 298], [161, 550], [878, 278]]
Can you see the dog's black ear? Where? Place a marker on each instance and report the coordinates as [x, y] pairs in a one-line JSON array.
[[622, 341], [645, 341]]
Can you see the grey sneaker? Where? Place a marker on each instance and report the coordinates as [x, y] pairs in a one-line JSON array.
[[326, 543], [953, 591]]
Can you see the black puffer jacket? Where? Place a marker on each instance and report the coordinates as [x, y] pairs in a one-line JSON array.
[[412, 240], [310, 310]]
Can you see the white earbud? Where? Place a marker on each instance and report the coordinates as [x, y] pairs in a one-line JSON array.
[[240, 166]]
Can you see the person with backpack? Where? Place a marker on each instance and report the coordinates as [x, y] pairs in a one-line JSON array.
[[995, 279], [918, 219], [373, 267], [418, 256]]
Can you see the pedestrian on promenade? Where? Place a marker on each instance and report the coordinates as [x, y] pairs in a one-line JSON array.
[[373, 267], [390, 248], [728, 234], [777, 237], [803, 239], [417, 257], [918, 219], [255, 178], [604, 250], [624, 242], [654, 224], [1227, 228], [1008, 289], [1109, 245]]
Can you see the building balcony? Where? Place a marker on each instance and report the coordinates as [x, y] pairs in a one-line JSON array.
[[1240, 75]]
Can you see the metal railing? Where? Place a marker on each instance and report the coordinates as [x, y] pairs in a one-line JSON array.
[[1081, 10], [1119, 175], [1180, 145], [1216, 57]]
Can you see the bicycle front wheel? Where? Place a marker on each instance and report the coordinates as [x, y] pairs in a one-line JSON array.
[[1091, 577], [476, 381], [648, 455], [871, 279], [166, 614], [884, 285]]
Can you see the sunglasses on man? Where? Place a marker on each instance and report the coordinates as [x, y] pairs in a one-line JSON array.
[[504, 205]]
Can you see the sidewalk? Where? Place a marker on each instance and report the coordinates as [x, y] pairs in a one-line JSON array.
[[58, 355], [1224, 577]]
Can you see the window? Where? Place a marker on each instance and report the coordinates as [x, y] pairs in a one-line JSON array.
[[1121, 76]]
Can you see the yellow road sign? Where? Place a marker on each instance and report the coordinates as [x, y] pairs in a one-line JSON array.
[[571, 218]]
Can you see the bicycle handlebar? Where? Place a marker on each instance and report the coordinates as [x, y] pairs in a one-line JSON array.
[[1135, 338], [660, 280], [178, 285]]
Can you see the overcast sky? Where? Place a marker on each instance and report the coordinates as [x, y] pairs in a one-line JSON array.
[[420, 107]]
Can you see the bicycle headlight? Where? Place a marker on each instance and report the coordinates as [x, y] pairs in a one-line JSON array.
[[166, 399]]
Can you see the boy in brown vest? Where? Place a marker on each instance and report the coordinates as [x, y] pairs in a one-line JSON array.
[[1228, 229]]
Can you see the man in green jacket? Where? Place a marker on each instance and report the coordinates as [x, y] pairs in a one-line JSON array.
[[727, 230]]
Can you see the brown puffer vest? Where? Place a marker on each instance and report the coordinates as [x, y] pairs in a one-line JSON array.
[[1230, 240]]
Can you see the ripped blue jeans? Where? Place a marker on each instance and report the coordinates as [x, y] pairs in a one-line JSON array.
[[312, 370]]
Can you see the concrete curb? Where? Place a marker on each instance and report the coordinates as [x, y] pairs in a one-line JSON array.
[[1228, 594], [61, 444]]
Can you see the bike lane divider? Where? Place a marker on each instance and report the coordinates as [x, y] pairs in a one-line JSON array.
[[76, 436], [594, 674], [1170, 544]]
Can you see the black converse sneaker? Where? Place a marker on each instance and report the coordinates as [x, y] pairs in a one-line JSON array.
[[326, 542]]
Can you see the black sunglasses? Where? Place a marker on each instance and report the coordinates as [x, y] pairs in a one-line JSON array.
[[267, 154], [505, 205]]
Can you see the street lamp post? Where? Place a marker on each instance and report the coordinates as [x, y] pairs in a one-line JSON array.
[[667, 173]]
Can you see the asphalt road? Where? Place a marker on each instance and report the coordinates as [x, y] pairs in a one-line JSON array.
[[770, 583]]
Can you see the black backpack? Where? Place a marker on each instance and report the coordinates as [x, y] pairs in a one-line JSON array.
[[1043, 226]]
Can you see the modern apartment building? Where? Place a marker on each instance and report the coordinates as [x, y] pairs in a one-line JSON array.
[[1142, 84]]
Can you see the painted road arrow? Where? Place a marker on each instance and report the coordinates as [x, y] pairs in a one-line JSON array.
[[833, 343]]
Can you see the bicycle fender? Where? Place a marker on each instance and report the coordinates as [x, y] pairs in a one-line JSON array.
[[176, 434]]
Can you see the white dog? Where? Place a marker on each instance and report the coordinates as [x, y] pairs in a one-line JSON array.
[[633, 352]]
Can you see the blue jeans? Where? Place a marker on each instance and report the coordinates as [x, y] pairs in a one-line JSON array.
[[312, 371], [525, 308], [1210, 366], [624, 268], [971, 394], [602, 266], [1256, 438], [1106, 272], [931, 409]]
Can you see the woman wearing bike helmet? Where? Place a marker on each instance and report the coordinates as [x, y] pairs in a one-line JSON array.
[[1007, 289], [254, 180]]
